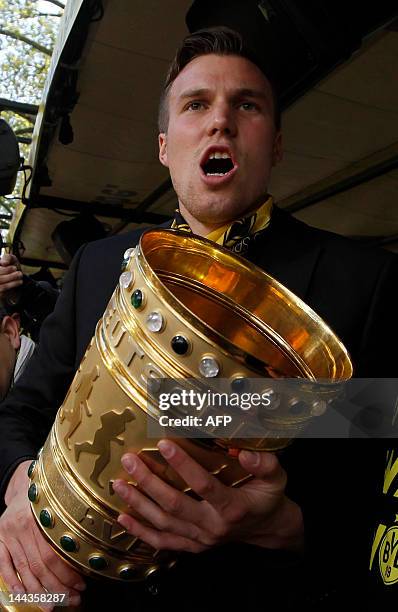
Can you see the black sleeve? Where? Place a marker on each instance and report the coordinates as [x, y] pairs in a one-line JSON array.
[[336, 482], [27, 414], [377, 352]]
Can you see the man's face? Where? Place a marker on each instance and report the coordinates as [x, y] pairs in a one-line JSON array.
[[9, 344], [220, 106]]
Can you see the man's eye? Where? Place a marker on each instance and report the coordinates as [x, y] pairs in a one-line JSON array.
[[248, 106], [195, 106]]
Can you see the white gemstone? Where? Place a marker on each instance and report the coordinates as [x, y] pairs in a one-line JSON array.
[[154, 321], [129, 252], [126, 278], [209, 367], [273, 397], [318, 408], [154, 385]]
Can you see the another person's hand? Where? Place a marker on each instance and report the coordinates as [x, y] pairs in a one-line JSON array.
[[10, 274], [23, 549], [258, 512]]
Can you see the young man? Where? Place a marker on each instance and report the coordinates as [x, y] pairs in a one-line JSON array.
[[266, 543]]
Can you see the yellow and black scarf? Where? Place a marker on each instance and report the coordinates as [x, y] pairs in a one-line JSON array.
[[235, 236]]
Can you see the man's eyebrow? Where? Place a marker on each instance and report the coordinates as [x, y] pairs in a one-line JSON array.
[[247, 92], [238, 93], [193, 93]]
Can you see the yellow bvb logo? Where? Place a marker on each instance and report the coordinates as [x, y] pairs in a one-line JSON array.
[[388, 556], [385, 541]]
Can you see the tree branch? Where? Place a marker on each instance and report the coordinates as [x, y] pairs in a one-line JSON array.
[[57, 3], [25, 39], [28, 130]]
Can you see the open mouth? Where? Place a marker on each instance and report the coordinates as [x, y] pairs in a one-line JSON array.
[[217, 163]]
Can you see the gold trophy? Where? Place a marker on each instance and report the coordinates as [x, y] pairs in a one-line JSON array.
[[184, 308]]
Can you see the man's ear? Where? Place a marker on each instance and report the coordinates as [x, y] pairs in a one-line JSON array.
[[277, 153], [10, 328], [163, 149]]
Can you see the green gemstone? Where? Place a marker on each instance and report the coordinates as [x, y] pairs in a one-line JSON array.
[[124, 264], [97, 562], [33, 492], [68, 544], [136, 298], [46, 518], [31, 468], [127, 573]]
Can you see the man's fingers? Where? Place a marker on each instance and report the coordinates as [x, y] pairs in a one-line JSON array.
[[8, 275], [7, 270], [172, 501], [60, 578], [199, 479], [23, 567], [262, 465], [8, 259], [8, 571], [159, 540], [11, 285], [152, 513]]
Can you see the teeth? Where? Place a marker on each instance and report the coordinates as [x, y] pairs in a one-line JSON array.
[[218, 155], [216, 173]]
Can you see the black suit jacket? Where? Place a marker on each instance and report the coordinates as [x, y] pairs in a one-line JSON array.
[[351, 287]]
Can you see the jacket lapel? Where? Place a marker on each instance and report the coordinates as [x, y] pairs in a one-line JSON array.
[[289, 250]]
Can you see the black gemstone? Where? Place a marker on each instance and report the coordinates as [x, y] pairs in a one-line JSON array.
[[68, 543], [179, 345], [97, 563], [124, 264], [239, 385], [31, 468], [33, 492], [127, 573], [46, 519], [298, 408]]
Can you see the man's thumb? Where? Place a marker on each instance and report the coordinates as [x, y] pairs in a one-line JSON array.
[[258, 463]]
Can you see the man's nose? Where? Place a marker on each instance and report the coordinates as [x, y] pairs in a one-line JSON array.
[[222, 120]]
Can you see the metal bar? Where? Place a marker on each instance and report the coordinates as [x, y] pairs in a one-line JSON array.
[[29, 109], [383, 240], [148, 201], [349, 183], [32, 261], [100, 210]]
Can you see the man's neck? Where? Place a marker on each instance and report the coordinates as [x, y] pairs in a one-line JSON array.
[[204, 229], [197, 227]]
